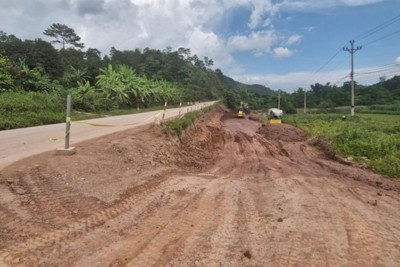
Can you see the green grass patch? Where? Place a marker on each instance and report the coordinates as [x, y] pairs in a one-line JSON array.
[[177, 126], [23, 109], [373, 139], [393, 109]]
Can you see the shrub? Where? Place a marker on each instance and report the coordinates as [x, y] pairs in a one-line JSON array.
[[24, 109]]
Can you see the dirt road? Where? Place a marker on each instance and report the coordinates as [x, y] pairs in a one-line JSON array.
[[226, 194]]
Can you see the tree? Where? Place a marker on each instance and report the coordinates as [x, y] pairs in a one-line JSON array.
[[63, 35], [93, 64], [42, 53], [6, 80]]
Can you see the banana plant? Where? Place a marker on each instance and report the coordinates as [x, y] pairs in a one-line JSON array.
[[107, 81]]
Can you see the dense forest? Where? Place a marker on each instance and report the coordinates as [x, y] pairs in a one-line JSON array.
[[143, 78]]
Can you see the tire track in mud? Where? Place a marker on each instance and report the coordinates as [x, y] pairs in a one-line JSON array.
[[196, 216], [149, 218], [12, 213], [254, 229], [60, 237], [32, 199], [196, 248]]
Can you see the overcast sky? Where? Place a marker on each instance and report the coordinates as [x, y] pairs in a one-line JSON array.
[[278, 43]]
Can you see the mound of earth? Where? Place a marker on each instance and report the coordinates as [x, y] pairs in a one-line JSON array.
[[282, 132]]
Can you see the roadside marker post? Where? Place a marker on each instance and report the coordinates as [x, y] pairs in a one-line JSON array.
[[165, 108], [68, 122], [67, 150]]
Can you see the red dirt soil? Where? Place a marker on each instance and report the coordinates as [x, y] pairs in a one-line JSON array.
[[226, 194]]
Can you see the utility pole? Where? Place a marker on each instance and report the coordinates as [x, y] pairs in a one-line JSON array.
[[305, 101], [279, 99], [352, 50]]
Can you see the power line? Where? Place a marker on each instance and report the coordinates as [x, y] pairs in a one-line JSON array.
[[364, 76], [342, 79], [378, 69], [377, 28], [381, 38], [323, 66], [360, 37], [373, 77]]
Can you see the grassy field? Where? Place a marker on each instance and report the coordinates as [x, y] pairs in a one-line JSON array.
[[371, 139]]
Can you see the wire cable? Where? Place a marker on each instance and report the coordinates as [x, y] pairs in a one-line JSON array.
[[381, 38], [378, 28]]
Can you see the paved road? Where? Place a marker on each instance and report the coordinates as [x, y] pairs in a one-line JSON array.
[[20, 143]]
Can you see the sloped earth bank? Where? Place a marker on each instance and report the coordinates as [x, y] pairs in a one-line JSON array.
[[229, 195]]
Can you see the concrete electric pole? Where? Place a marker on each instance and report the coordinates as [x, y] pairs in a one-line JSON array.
[[352, 50], [305, 101], [279, 99]]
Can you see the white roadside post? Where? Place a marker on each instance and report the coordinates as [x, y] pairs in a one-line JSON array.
[[165, 108]]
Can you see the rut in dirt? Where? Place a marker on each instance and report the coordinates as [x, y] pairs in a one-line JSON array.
[[228, 194]]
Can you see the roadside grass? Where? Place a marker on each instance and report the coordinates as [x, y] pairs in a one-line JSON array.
[[382, 109], [21, 109], [370, 139], [177, 126]]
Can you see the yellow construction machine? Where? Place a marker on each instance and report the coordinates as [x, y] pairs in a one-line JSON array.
[[240, 113], [275, 116]]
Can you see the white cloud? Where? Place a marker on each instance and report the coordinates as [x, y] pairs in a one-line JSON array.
[[360, 2], [397, 61], [209, 44], [261, 7], [293, 39], [293, 80], [309, 29], [282, 52], [260, 42]]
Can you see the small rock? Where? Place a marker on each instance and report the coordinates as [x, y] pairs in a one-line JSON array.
[[247, 254], [378, 183], [18, 190], [280, 220], [375, 202], [75, 212], [32, 202], [379, 194]]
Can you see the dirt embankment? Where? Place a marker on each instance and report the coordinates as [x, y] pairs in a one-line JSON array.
[[229, 194]]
